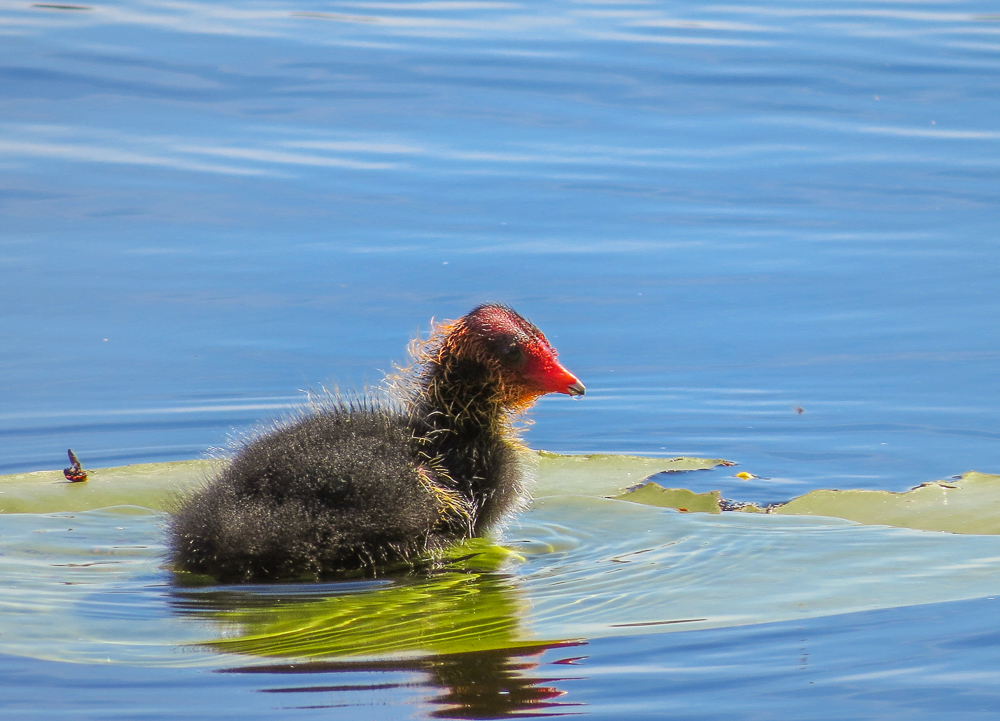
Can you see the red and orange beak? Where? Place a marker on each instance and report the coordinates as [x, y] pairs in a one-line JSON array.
[[552, 377], [567, 383]]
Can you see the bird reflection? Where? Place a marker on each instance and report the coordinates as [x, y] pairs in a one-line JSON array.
[[458, 629], [495, 684]]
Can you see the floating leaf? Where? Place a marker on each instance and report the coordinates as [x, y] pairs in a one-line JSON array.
[[150, 485], [157, 485], [653, 494], [968, 505], [601, 474]]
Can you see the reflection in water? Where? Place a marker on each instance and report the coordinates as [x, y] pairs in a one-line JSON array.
[[468, 618], [492, 684], [476, 684], [467, 606]]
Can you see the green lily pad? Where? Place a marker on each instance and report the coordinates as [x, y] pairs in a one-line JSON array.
[[970, 504], [653, 494], [156, 486], [150, 485], [601, 474]]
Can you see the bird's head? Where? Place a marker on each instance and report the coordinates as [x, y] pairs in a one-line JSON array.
[[517, 355]]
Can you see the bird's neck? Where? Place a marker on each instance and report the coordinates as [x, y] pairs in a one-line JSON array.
[[462, 423]]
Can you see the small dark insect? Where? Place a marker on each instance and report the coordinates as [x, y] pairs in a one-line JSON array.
[[75, 473], [800, 410]]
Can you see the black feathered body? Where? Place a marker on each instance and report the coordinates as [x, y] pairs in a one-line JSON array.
[[348, 487], [363, 486]]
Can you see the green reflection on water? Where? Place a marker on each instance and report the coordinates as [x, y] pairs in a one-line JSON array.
[[467, 606]]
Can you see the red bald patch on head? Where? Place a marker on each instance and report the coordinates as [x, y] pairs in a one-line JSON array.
[[494, 320]]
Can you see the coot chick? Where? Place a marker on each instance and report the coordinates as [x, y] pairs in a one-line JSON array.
[[360, 485]]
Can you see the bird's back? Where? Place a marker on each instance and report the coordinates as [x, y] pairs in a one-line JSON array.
[[339, 489]]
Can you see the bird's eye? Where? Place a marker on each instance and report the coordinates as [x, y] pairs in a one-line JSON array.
[[513, 355]]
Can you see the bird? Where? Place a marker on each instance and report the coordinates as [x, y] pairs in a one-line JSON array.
[[366, 484]]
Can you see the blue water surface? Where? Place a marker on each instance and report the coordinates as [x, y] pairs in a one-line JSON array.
[[762, 232], [917, 662]]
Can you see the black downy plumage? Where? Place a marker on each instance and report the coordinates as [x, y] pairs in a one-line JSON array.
[[360, 485]]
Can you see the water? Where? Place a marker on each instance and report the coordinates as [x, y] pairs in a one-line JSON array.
[[718, 213], [699, 616], [833, 667]]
